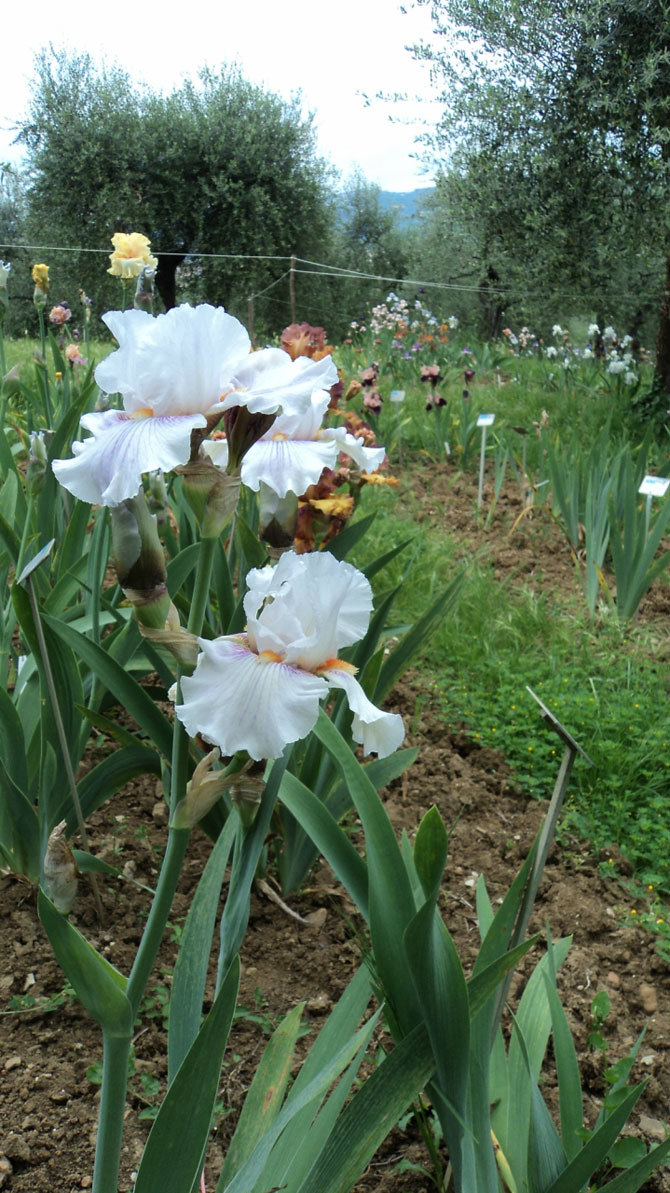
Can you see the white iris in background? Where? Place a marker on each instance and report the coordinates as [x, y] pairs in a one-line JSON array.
[[260, 690], [174, 372], [294, 452]]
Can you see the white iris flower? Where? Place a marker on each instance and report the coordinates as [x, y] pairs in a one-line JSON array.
[[294, 452], [260, 690], [174, 372]]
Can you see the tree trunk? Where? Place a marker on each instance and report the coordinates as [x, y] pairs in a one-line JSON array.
[[166, 279], [491, 306], [662, 373]]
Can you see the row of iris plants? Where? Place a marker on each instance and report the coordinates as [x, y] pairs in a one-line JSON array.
[[221, 489], [567, 436]]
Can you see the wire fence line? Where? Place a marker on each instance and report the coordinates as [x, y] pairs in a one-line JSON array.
[[344, 273]]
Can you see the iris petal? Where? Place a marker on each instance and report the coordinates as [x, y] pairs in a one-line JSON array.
[[321, 603], [367, 458], [240, 702], [107, 468], [377, 731], [287, 465], [177, 363], [269, 379]]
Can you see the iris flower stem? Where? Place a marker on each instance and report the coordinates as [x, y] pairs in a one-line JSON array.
[[115, 1057], [44, 377], [116, 1051], [201, 589]]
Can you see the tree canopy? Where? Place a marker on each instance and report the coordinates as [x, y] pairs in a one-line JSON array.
[[554, 142], [217, 166]]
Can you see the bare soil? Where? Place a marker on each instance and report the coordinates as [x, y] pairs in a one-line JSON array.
[[48, 1103]]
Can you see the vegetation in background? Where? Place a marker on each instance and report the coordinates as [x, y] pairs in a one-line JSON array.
[[215, 166], [554, 146], [604, 679]]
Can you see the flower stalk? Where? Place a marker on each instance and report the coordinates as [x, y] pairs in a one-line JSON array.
[[116, 1051]]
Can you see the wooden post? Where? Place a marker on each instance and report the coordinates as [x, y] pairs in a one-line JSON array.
[[291, 288]]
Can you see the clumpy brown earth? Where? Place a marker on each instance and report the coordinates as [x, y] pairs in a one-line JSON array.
[[48, 1102]]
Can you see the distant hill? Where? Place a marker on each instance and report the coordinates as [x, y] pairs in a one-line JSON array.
[[404, 203]]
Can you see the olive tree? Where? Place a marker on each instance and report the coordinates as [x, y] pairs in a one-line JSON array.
[[221, 175], [554, 139]]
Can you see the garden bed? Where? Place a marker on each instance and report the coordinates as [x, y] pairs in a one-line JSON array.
[[48, 1100]]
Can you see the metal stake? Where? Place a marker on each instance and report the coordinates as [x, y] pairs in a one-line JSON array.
[[572, 749]]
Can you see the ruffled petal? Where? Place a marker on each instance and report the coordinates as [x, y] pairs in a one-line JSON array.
[[177, 363], [287, 465], [319, 604], [378, 732], [337, 603], [238, 701], [367, 458], [303, 418], [269, 379], [107, 468], [115, 374], [190, 354]]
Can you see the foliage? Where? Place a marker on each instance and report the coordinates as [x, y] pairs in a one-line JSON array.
[[490, 1107], [218, 166], [313, 1134], [368, 240], [598, 680], [553, 144]]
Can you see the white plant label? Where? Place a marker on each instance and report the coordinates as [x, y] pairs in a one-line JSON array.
[[397, 395], [654, 486], [486, 420]]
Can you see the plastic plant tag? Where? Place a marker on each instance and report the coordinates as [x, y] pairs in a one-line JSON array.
[[397, 395], [483, 421], [654, 486]]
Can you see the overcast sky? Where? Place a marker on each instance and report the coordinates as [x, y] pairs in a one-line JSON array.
[[330, 50]]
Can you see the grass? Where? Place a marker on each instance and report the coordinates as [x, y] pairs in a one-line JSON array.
[[602, 681], [516, 389], [21, 353]]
